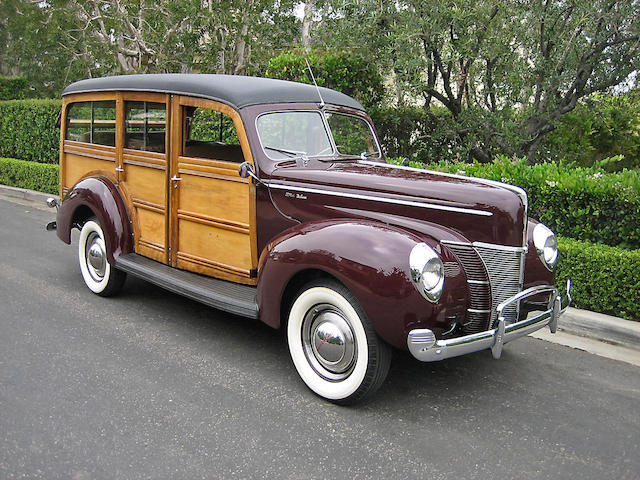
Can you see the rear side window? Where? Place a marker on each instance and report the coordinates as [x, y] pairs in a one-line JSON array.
[[92, 122], [145, 126]]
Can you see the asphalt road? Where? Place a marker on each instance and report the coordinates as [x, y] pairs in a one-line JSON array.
[[150, 385]]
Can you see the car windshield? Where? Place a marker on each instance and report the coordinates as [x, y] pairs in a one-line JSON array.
[[353, 135], [296, 133], [291, 134]]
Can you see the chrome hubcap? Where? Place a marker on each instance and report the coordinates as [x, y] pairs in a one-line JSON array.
[[328, 342], [96, 257]]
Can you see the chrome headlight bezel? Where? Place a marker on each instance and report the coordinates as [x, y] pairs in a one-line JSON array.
[[427, 271], [546, 245]]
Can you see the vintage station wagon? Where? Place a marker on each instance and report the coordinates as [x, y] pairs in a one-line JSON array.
[[272, 200]]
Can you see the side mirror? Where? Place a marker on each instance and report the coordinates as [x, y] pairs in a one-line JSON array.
[[246, 170]]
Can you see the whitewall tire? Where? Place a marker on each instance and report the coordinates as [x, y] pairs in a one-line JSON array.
[[97, 273], [333, 346]]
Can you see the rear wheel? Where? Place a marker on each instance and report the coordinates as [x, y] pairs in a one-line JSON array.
[[97, 273], [333, 346]]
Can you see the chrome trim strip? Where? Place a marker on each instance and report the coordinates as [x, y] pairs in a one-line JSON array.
[[478, 282], [358, 196], [475, 310], [423, 345], [506, 248], [514, 188], [486, 245], [519, 191]]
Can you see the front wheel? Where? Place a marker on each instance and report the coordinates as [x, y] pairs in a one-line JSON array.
[[97, 273], [333, 346]]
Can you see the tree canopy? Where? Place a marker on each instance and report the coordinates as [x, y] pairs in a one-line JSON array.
[[505, 71]]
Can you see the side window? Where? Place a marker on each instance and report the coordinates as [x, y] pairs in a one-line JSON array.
[[92, 122], [145, 126], [210, 134]]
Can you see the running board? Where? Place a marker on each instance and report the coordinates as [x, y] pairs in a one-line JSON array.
[[230, 297]]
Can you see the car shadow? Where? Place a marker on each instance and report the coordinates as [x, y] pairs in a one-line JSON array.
[[465, 381]]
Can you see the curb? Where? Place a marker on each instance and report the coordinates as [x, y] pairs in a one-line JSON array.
[[601, 327], [25, 194], [575, 321]]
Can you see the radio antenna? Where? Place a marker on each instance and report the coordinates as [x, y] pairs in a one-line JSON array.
[[314, 82]]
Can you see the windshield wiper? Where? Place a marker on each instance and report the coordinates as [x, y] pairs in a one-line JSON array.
[[291, 153]]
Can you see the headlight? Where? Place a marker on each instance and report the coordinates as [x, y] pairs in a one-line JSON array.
[[546, 245], [427, 271]]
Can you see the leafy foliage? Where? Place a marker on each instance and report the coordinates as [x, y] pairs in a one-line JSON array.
[[12, 88], [605, 279], [346, 72], [418, 134], [57, 42], [602, 126], [24, 174], [28, 130], [582, 203], [506, 71]]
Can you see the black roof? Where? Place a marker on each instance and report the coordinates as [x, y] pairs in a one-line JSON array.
[[234, 90]]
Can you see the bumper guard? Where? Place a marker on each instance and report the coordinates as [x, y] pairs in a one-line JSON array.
[[423, 345]]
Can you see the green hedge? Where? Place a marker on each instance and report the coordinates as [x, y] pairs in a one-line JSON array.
[[605, 279], [12, 88], [582, 203], [24, 174], [28, 130]]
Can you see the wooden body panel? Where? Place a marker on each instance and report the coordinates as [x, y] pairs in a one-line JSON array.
[[204, 222], [213, 219], [80, 158]]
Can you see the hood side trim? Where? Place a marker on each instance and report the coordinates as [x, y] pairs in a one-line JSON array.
[[374, 198]]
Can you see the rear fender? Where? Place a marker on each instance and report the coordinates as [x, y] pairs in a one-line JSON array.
[[102, 197], [372, 260]]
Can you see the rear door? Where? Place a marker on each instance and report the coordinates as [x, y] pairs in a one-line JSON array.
[[142, 168]]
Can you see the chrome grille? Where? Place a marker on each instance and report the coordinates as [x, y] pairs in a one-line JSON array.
[[505, 269], [479, 294]]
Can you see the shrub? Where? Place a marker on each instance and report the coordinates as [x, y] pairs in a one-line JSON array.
[[28, 130], [349, 73], [604, 279], [13, 88], [599, 127], [416, 133], [31, 175], [582, 203]]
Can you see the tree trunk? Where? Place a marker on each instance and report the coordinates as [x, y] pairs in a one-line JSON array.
[[241, 45], [307, 22]]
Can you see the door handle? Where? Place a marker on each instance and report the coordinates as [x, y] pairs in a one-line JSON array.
[[176, 178], [119, 169]]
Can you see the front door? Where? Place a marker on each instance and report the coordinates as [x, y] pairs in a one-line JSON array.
[[212, 227]]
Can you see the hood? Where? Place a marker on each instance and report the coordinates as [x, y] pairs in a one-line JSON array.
[[477, 210]]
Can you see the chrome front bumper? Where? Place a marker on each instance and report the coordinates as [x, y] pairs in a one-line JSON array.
[[423, 345]]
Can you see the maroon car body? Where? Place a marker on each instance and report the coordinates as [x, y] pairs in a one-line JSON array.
[[354, 221]]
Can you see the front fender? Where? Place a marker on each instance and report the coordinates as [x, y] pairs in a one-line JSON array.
[[372, 260], [102, 197]]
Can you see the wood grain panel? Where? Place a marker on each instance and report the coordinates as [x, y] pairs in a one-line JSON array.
[[146, 184], [214, 222], [215, 198], [77, 167], [217, 245], [151, 242]]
